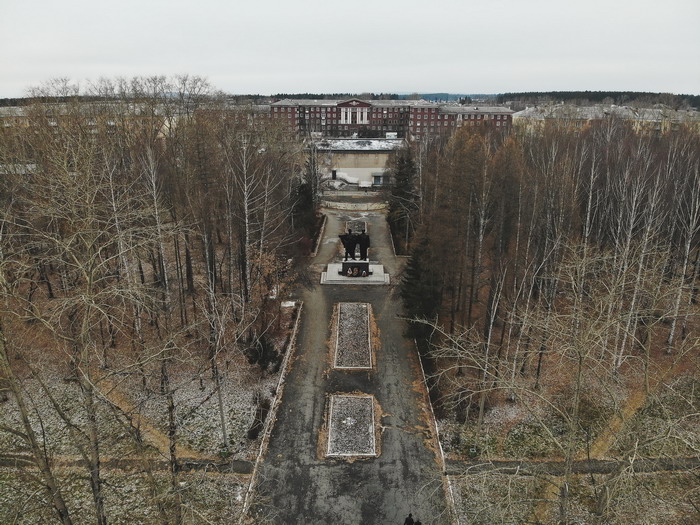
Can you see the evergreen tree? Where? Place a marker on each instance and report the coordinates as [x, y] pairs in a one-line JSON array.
[[306, 198], [303, 212], [420, 287], [403, 199]]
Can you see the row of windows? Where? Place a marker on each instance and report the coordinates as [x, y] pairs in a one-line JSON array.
[[334, 126], [316, 109], [394, 123], [427, 117], [389, 114], [416, 126], [432, 124]]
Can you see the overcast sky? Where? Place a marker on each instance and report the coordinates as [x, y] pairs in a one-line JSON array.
[[292, 46]]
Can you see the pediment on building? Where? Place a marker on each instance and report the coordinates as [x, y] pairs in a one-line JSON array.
[[354, 103]]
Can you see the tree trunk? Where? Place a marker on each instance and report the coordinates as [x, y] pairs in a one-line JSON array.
[[50, 483]]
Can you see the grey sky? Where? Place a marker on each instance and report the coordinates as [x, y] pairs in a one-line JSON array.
[[272, 46]]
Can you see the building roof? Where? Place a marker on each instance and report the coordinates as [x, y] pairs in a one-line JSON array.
[[475, 109], [599, 112], [335, 102], [359, 144], [12, 111]]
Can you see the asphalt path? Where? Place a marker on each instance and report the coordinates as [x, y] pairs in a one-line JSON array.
[[294, 482]]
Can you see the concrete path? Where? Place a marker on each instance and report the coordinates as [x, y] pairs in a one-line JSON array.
[[294, 483]]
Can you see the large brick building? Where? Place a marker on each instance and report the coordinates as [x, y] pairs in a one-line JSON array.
[[409, 119], [377, 118]]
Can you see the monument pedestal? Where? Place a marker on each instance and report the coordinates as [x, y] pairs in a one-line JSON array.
[[375, 274], [355, 269]]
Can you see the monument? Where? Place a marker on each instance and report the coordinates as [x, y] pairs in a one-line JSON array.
[[350, 242], [354, 268]]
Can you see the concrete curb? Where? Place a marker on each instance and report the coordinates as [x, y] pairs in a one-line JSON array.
[[314, 253], [393, 247], [354, 206], [272, 415], [436, 433]]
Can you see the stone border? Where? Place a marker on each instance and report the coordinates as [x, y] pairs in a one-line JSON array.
[[449, 490], [355, 206], [319, 238], [272, 414], [373, 430], [368, 310], [393, 246]]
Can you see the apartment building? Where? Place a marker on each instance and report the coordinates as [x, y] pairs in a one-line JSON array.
[[382, 118]]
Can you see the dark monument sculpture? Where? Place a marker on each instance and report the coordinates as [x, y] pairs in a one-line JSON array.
[[363, 241], [350, 242]]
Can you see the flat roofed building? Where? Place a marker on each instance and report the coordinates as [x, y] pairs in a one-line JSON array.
[[440, 119], [375, 118], [658, 119], [352, 118], [356, 161]]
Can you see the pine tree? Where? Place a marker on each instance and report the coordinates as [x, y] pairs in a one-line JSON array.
[[403, 200], [420, 287]]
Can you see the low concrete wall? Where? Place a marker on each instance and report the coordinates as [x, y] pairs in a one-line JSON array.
[[354, 205]]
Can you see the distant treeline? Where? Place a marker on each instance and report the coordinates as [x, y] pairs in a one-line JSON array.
[[532, 97], [617, 97], [25, 101]]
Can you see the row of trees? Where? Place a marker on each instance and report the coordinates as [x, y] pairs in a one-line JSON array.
[[550, 268], [148, 226], [502, 214]]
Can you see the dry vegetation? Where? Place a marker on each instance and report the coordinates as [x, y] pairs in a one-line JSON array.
[[554, 286], [147, 242]]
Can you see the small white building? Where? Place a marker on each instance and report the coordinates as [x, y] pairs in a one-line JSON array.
[[356, 161]]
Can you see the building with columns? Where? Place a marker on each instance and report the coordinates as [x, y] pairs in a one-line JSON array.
[[382, 118]]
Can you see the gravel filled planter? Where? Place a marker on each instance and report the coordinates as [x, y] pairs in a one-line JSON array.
[[351, 427], [353, 345], [356, 225]]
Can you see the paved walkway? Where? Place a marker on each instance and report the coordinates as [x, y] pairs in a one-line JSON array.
[[295, 484]]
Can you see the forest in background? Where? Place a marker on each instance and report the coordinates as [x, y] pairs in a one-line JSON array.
[[148, 238], [552, 284]]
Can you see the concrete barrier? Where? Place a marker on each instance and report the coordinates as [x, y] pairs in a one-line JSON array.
[[355, 206]]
